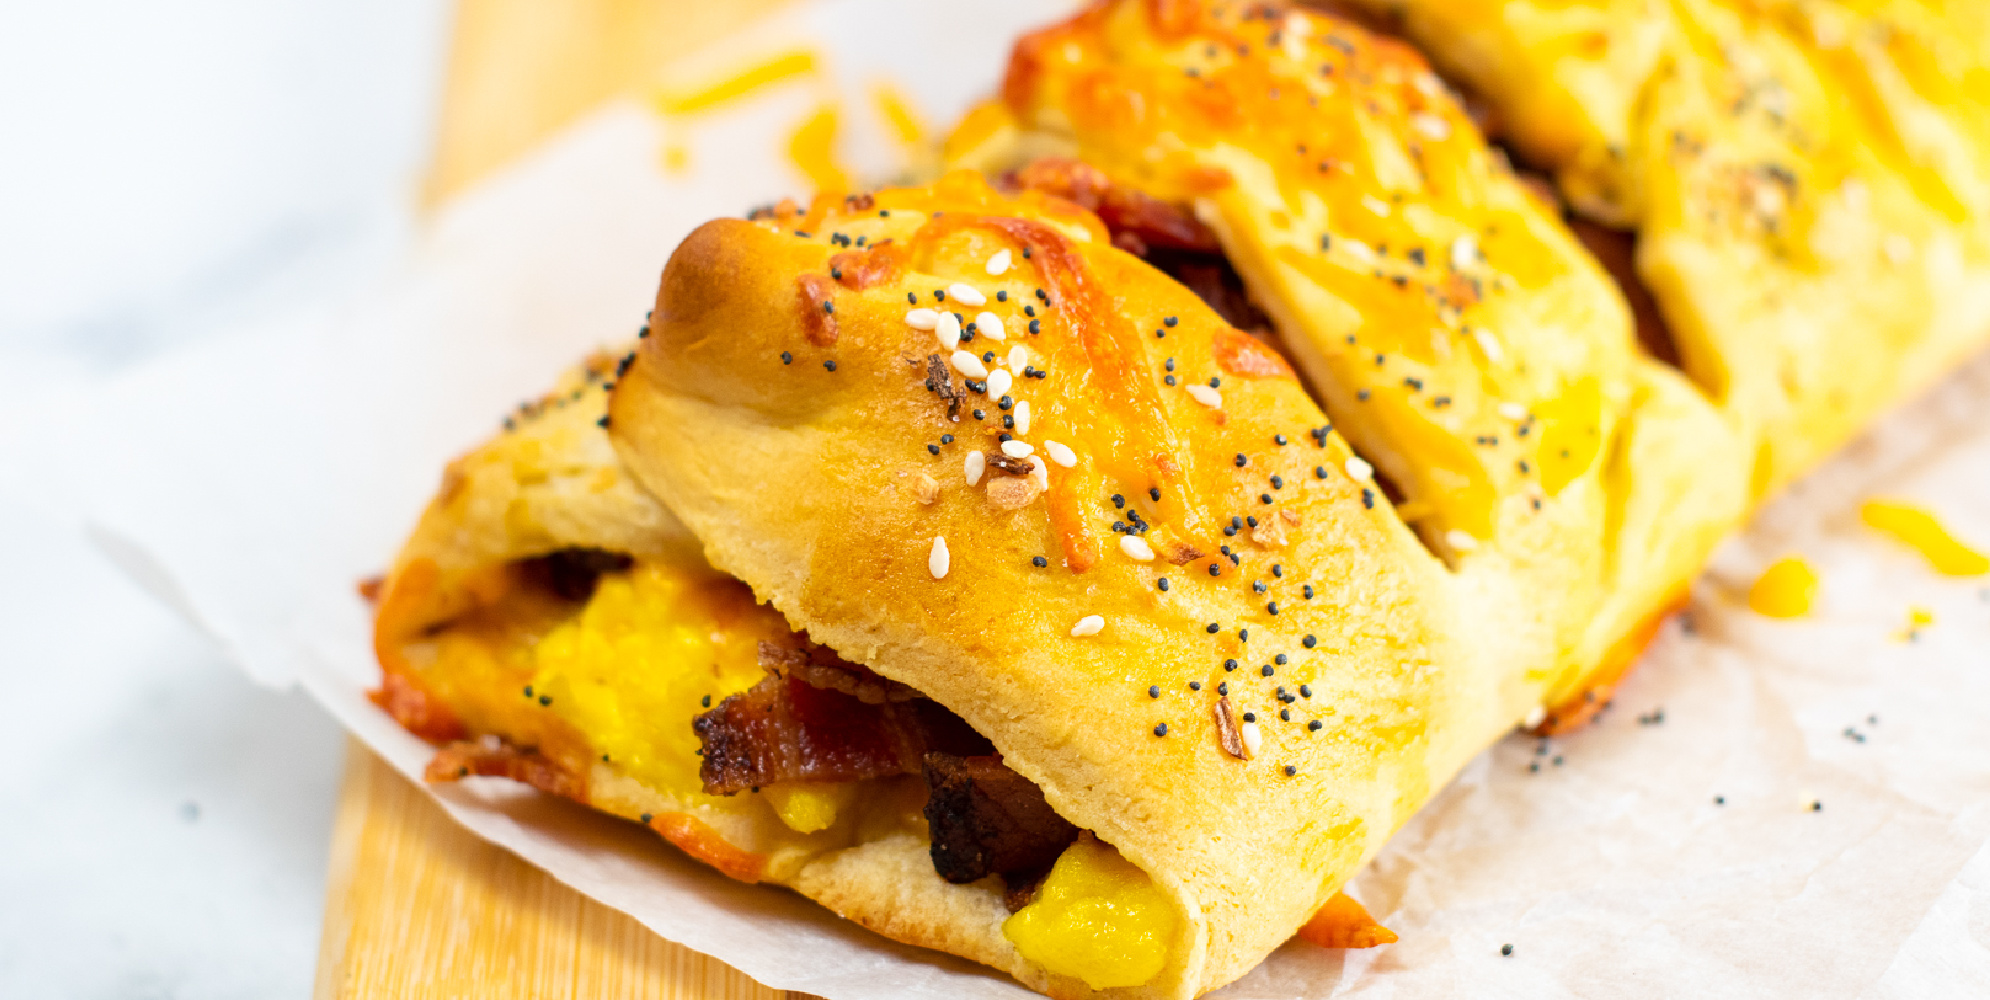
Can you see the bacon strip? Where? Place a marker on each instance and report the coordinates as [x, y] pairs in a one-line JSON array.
[[572, 573], [986, 819], [785, 729], [461, 760], [1136, 220]]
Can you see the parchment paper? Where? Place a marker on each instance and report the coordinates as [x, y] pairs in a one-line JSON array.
[[250, 482]]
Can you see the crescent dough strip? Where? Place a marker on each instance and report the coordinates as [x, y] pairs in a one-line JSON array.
[[1809, 184], [1454, 330], [959, 437]]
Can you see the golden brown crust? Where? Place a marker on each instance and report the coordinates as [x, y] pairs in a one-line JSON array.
[[775, 466], [1810, 184], [1454, 330]]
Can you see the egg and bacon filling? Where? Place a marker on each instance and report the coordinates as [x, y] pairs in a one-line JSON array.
[[656, 688]]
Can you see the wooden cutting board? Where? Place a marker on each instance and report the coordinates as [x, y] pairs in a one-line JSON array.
[[417, 907]]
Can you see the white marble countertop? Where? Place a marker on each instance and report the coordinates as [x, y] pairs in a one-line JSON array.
[[171, 170]]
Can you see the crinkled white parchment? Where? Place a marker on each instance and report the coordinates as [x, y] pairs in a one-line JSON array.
[[251, 481]]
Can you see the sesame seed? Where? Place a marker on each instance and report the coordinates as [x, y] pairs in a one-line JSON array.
[[990, 326], [1252, 738], [922, 318], [947, 328], [1039, 562], [939, 559], [1488, 345], [1205, 395], [1023, 417], [1431, 126], [967, 295], [1017, 449], [999, 264], [974, 465], [1019, 358], [1460, 540], [1088, 625], [969, 365], [1060, 454], [1512, 410], [1136, 548], [998, 382], [1358, 468]]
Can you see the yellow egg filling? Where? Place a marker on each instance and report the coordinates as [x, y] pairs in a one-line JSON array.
[[632, 669], [1096, 918]]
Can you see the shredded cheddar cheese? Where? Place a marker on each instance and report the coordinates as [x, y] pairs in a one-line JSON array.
[[1785, 590], [1919, 530]]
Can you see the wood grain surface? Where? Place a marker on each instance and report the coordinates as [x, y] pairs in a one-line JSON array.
[[417, 907], [521, 69]]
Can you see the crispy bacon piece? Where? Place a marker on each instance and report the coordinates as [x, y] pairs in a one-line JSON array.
[[461, 760], [787, 729], [573, 573], [1136, 220], [821, 667], [986, 819]]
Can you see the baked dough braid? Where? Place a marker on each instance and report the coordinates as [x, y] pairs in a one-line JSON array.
[[1452, 327], [1808, 183]]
